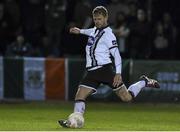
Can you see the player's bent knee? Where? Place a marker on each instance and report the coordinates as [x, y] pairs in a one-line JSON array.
[[123, 93], [82, 93]]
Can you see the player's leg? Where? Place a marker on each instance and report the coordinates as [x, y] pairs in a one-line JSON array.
[[123, 93], [144, 82], [127, 95], [79, 106], [81, 95], [120, 90], [87, 86]]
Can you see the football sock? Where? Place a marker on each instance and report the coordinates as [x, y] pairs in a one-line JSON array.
[[79, 106], [136, 87]]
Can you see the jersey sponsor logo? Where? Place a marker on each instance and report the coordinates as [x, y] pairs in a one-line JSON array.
[[91, 40], [114, 42]]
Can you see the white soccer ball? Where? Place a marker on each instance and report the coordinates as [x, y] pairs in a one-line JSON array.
[[76, 120]]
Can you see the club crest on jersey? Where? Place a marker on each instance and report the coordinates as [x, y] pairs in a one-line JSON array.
[[114, 42], [90, 40]]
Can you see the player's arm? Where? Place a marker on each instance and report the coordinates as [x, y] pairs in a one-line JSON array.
[[117, 59], [113, 48], [76, 30]]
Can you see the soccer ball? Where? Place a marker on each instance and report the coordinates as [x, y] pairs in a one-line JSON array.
[[76, 120]]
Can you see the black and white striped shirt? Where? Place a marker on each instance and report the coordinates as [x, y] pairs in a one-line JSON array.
[[101, 43]]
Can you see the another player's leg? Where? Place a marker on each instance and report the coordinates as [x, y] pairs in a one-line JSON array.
[[79, 106], [127, 95]]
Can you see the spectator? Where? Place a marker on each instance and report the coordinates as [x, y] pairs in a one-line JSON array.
[[132, 14], [6, 29], [46, 49], [19, 48], [115, 7], [55, 22], [70, 8], [32, 14], [139, 40], [75, 19], [160, 43], [13, 10], [165, 39], [121, 31], [170, 32], [82, 16]]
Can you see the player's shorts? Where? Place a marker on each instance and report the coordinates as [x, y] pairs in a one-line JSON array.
[[92, 79]]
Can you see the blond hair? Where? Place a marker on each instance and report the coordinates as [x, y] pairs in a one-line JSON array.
[[100, 10]]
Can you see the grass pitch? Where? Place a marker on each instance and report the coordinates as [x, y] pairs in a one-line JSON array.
[[108, 116]]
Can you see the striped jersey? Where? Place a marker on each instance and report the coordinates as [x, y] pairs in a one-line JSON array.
[[101, 43]]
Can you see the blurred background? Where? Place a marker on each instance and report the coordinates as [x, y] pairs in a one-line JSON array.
[[34, 37], [145, 29]]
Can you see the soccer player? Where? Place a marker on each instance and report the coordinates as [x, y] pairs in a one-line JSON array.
[[101, 44]]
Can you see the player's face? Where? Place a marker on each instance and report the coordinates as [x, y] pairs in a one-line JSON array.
[[99, 20]]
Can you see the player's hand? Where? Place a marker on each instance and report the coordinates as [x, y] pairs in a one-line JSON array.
[[74, 30], [117, 80]]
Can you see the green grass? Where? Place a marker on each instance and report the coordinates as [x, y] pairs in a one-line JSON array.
[[99, 116]]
